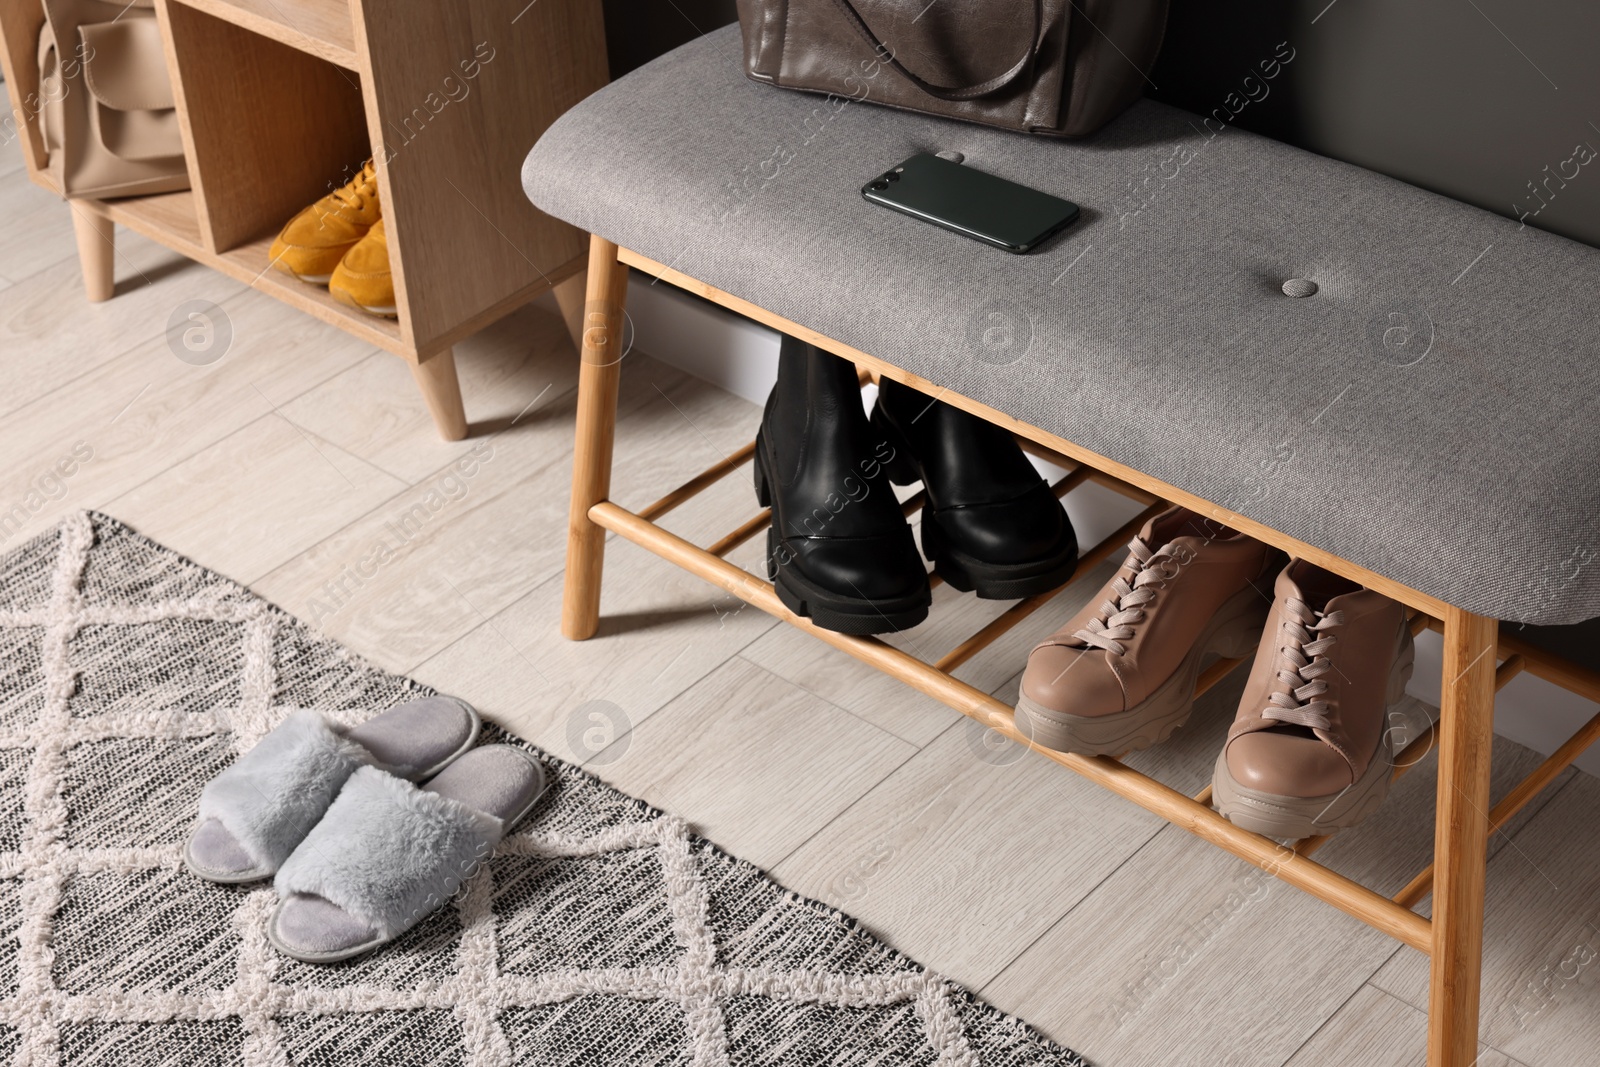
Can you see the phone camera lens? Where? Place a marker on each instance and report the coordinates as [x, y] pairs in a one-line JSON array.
[[879, 186], [891, 177]]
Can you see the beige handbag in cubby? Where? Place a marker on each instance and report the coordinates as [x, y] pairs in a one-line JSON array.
[[108, 119]]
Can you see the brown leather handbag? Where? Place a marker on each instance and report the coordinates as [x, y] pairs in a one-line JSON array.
[[109, 120], [1059, 68]]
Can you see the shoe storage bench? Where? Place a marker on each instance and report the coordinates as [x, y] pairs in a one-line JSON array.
[[1410, 433], [280, 101]]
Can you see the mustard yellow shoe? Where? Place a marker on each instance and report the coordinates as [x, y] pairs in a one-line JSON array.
[[362, 279], [315, 240]]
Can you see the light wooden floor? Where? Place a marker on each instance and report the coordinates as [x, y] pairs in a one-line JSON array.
[[290, 463]]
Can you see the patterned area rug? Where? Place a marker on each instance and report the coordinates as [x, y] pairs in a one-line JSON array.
[[602, 933]]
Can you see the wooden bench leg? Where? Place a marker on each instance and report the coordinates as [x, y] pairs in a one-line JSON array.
[[441, 389], [1461, 837], [598, 378], [97, 236]]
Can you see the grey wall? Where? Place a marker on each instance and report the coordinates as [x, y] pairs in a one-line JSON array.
[[1477, 99], [639, 30], [1471, 98]]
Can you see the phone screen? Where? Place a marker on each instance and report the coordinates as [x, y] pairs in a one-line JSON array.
[[969, 202]]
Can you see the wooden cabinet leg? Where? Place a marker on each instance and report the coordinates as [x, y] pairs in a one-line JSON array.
[[598, 378], [436, 377], [570, 296], [97, 236], [1461, 837]]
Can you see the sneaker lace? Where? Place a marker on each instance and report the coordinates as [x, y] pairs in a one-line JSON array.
[[1115, 620], [1302, 663], [357, 190]]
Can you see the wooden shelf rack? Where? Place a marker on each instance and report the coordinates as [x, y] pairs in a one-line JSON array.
[[281, 101]]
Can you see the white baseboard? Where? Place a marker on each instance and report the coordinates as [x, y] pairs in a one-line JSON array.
[[742, 357], [697, 336]]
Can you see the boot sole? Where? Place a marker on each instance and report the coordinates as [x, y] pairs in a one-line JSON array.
[[997, 581], [1232, 633], [1294, 818], [857, 616], [968, 574]]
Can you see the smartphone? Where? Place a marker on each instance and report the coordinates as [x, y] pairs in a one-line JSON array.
[[971, 203]]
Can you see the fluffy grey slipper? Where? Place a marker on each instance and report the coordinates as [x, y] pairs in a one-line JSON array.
[[253, 814], [388, 853]]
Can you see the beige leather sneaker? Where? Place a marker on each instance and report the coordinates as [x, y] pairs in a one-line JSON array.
[[1121, 674], [1309, 750]]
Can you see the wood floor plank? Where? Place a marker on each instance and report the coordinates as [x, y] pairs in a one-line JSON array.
[[868, 693], [37, 225], [1374, 1029], [1169, 960], [1541, 960], [756, 763], [459, 548], [967, 854], [661, 631], [1187, 955], [1387, 850], [256, 498], [373, 409], [42, 354], [146, 409]]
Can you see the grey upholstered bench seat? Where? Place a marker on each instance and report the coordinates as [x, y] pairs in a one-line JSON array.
[[1429, 413]]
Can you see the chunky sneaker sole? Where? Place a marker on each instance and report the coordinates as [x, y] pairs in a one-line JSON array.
[[387, 311], [282, 267], [1232, 633], [1295, 818]]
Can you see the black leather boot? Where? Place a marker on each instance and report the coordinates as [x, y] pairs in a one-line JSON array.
[[991, 523], [839, 549]]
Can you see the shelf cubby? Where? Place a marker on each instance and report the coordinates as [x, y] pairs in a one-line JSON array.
[[322, 28], [280, 101]]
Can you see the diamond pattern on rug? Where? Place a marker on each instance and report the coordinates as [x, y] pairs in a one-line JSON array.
[[10, 922], [189, 1043], [185, 931], [314, 672], [122, 668], [14, 764], [768, 1031], [426, 950], [556, 914], [601, 932], [160, 777], [28, 571], [432, 1036], [604, 1029], [21, 678], [764, 932]]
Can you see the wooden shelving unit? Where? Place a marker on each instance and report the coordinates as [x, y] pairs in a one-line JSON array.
[[280, 101]]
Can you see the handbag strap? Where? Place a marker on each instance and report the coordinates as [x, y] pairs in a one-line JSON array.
[[951, 92]]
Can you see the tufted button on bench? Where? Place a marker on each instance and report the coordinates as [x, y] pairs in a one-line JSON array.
[[1394, 385]]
